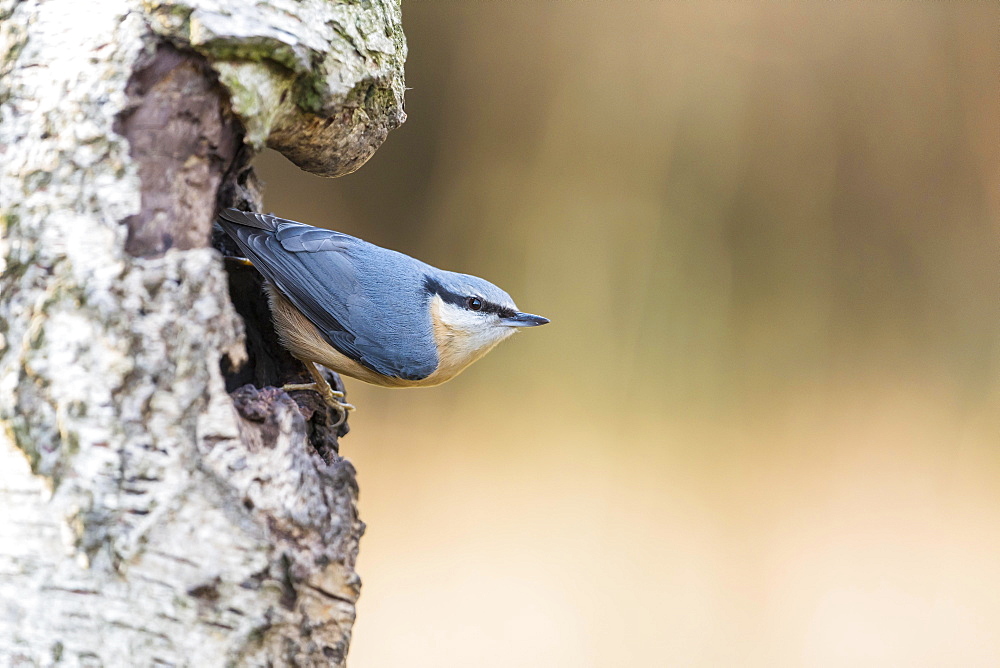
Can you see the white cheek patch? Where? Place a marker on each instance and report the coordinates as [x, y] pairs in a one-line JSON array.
[[463, 320], [475, 330]]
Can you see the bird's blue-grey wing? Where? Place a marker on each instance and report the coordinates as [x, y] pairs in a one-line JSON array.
[[357, 314]]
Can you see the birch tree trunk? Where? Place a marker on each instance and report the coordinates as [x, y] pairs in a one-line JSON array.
[[159, 503]]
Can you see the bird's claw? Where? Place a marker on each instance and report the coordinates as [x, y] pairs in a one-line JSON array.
[[332, 398], [342, 408]]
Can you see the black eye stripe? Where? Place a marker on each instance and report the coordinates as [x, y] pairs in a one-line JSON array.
[[496, 309], [504, 312], [435, 288], [462, 301]]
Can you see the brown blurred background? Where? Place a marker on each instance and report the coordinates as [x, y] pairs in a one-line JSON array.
[[763, 428]]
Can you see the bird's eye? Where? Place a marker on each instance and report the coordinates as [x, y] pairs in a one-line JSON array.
[[474, 303]]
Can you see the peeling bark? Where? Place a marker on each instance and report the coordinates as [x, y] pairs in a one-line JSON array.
[[150, 516]]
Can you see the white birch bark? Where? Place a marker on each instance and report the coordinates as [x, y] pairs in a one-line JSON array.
[[144, 520]]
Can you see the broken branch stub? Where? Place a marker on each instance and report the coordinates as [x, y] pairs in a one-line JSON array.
[[319, 81]]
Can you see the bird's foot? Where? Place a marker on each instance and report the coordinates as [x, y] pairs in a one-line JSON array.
[[333, 398], [330, 396]]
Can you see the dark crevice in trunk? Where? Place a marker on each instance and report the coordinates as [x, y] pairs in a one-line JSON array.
[[185, 141]]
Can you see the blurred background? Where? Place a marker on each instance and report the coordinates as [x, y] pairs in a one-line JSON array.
[[763, 428]]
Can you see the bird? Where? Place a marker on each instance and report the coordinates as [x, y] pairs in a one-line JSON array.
[[368, 312]]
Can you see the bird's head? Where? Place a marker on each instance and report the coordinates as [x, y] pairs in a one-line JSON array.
[[472, 314]]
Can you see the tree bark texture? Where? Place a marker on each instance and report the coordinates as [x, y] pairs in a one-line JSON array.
[[161, 503]]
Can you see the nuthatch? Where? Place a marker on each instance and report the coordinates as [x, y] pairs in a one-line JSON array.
[[369, 312]]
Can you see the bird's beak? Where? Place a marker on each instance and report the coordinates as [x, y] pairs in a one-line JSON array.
[[524, 320]]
